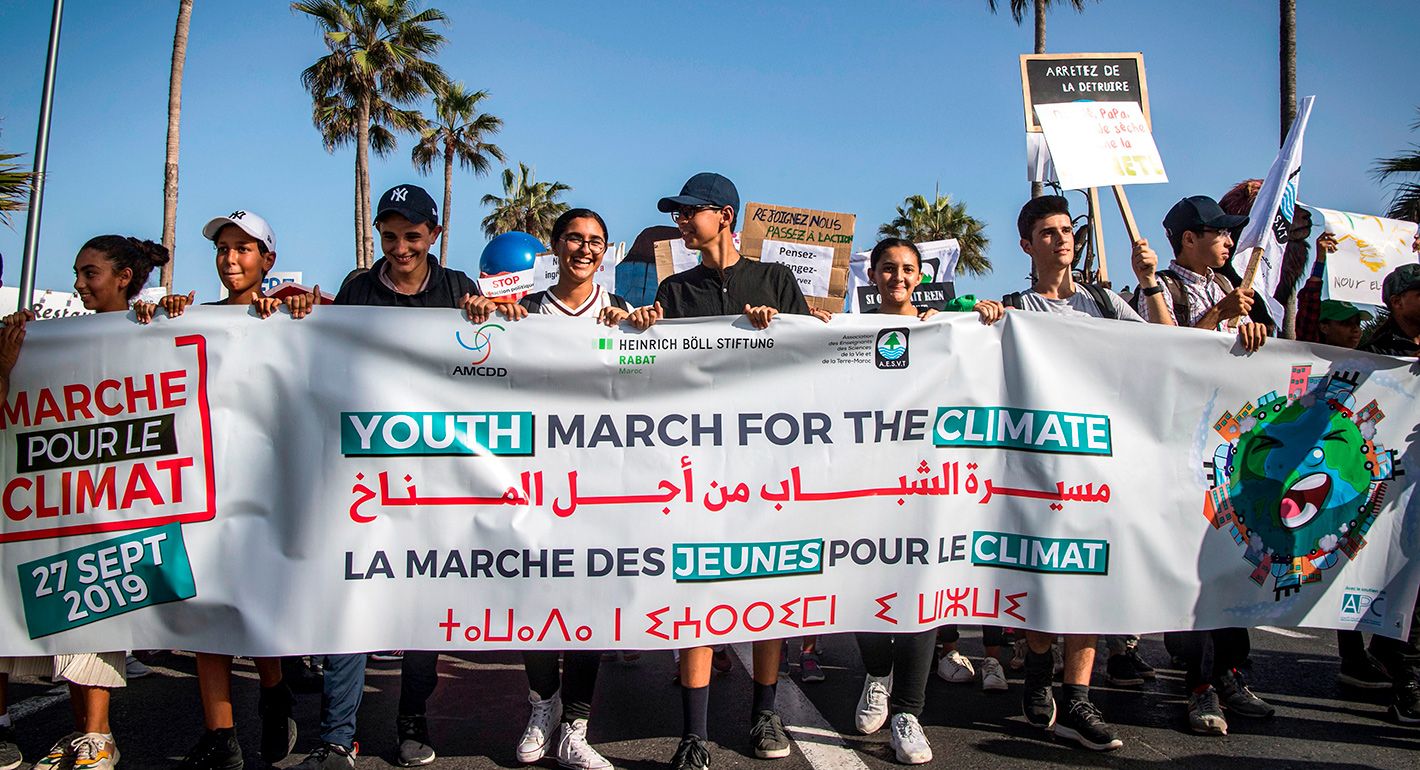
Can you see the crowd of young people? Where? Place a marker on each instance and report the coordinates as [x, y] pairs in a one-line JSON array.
[[111, 270]]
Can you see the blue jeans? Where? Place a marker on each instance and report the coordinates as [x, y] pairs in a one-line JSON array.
[[345, 686]]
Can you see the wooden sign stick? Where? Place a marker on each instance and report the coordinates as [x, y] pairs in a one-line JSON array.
[[1129, 226], [1097, 236], [1254, 261]]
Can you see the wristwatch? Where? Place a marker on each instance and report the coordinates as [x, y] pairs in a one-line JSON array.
[[1157, 288]]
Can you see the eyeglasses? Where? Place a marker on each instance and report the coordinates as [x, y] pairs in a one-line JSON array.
[[594, 245], [1215, 231], [686, 212]]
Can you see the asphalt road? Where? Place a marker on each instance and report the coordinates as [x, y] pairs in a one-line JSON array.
[[479, 710]]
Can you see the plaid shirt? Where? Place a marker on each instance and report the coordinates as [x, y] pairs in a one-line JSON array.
[[1203, 292]]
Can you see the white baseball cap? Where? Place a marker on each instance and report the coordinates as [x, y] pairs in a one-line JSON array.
[[249, 222]]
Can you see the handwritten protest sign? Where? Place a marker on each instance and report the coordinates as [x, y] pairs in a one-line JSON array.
[[1367, 248], [823, 230], [1101, 144], [1056, 78]]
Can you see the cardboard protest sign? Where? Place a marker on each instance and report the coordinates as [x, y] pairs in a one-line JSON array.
[[939, 265], [1101, 144], [816, 245], [673, 257], [1367, 248], [1055, 78]]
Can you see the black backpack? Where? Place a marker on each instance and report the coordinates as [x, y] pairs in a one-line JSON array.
[[1178, 297], [1098, 293]]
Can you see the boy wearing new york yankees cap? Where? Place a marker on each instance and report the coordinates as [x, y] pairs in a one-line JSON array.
[[407, 276]]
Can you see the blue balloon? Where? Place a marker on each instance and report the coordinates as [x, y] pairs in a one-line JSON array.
[[510, 252]]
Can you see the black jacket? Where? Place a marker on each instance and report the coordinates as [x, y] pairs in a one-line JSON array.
[[1389, 340], [446, 288]]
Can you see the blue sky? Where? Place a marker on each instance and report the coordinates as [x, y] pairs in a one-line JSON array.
[[845, 106]]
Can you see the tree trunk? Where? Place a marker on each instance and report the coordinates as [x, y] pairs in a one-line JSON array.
[[170, 165], [1287, 56], [1040, 26], [362, 173], [448, 199], [359, 220], [1036, 188]]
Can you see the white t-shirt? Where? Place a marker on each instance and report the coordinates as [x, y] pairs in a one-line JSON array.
[[1078, 304], [593, 305]]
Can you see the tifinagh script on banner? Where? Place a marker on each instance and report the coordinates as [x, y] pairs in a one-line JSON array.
[[554, 483]]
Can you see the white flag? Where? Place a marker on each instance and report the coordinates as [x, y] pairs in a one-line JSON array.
[[1271, 214]]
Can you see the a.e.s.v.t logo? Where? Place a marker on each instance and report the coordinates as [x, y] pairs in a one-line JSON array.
[[890, 349]]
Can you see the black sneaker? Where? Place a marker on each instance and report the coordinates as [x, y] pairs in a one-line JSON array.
[[329, 756], [1119, 671], [278, 729], [1038, 701], [1083, 724], [1365, 673], [215, 750], [1406, 706], [692, 754], [1235, 696], [1141, 666], [414, 748], [768, 736], [10, 757]]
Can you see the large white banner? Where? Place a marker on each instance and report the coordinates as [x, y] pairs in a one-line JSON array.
[[402, 479]]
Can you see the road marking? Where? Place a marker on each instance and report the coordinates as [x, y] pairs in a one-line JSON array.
[[821, 745], [1290, 634]]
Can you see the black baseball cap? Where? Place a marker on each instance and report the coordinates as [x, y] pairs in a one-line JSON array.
[[409, 201], [1197, 212], [1400, 280], [704, 189]]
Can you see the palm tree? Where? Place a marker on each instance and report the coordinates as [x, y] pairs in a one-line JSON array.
[[457, 131], [170, 166], [1287, 61], [335, 116], [379, 50], [14, 187], [1018, 13], [527, 205], [1405, 201], [919, 220]]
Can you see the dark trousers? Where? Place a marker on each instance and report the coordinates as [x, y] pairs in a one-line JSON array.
[[418, 675], [908, 657], [344, 686], [1400, 658], [1231, 647], [577, 680]]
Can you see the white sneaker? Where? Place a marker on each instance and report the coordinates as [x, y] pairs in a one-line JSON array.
[[908, 740], [873, 704], [542, 726], [993, 677], [954, 667], [574, 752], [94, 751], [1018, 654]]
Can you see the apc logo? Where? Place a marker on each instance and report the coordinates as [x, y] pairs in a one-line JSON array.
[[890, 349], [482, 347], [1362, 607]]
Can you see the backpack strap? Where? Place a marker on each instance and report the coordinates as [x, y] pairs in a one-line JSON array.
[[1102, 300], [1178, 297], [618, 302], [1013, 300]]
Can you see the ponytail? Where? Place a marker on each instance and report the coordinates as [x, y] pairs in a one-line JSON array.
[[137, 255]]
